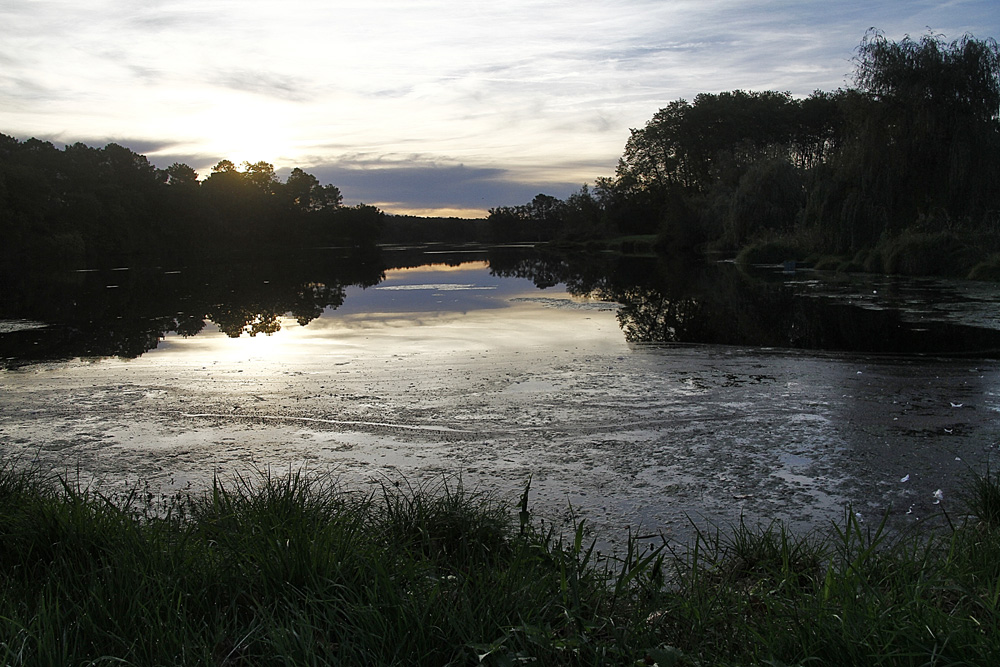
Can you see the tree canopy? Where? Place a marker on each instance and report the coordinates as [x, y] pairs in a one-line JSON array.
[[85, 204], [912, 146]]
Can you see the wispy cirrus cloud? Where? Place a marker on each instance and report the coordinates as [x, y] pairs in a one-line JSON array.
[[294, 88]]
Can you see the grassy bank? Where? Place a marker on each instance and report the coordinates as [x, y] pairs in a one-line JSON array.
[[943, 254], [290, 570]]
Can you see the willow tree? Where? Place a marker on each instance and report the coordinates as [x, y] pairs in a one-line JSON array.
[[925, 135]]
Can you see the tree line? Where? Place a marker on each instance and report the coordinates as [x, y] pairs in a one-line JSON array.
[[89, 205], [910, 149], [897, 171]]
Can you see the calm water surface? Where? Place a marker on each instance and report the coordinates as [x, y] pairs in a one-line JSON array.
[[633, 392]]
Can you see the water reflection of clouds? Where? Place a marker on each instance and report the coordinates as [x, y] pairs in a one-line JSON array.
[[514, 325], [438, 287], [435, 288], [429, 310], [520, 327]]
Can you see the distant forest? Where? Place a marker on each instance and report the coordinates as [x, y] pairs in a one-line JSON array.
[[899, 173]]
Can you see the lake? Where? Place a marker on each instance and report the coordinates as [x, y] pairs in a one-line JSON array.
[[640, 394]]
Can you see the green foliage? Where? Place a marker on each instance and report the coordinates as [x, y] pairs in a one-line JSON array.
[[446, 522], [923, 135], [265, 566], [941, 253], [538, 220], [407, 229], [181, 176], [769, 252], [767, 200], [359, 225], [982, 498], [870, 260], [714, 139], [828, 263], [289, 569], [957, 79], [861, 596], [307, 194], [911, 147]]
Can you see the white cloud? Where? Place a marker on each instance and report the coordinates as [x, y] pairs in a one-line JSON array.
[[536, 88]]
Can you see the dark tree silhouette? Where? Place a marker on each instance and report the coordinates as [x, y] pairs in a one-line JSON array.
[[98, 205], [912, 149]]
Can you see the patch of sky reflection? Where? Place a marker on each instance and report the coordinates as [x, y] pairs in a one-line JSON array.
[[432, 309], [438, 288]]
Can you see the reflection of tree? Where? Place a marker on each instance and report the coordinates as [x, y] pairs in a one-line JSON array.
[[544, 274], [663, 300], [91, 320], [648, 315], [304, 302], [582, 274], [250, 319], [312, 298], [187, 326]]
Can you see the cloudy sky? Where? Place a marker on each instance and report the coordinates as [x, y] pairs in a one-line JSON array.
[[425, 106]]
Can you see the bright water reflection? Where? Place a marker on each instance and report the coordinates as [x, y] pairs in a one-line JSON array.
[[435, 309]]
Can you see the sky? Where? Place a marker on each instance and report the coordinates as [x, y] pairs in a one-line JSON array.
[[427, 107]]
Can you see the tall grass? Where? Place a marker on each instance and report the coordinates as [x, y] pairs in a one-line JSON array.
[[289, 569]]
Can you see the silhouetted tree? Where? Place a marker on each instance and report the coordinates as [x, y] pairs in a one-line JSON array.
[[925, 134], [307, 195], [181, 176], [93, 204]]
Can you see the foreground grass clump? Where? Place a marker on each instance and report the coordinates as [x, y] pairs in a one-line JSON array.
[[289, 570]]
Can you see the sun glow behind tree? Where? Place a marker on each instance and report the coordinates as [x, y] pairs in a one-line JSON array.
[[503, 100]]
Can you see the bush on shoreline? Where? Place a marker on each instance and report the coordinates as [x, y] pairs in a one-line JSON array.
[[944, 254], [290, 569]]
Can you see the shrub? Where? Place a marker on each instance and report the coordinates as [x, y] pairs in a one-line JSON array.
[[768, 252], [988, 269], [828, 263], [928, 254]]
